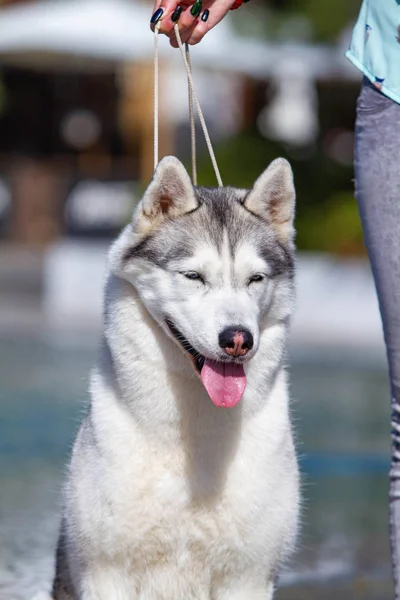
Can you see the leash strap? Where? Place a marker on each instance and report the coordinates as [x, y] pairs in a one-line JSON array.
[[193, 100], [156, 93], [191, 120]]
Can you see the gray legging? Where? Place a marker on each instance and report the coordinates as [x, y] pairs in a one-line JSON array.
[[377, 171]]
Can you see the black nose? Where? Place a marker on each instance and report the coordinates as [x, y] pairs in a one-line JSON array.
[[236, 341]]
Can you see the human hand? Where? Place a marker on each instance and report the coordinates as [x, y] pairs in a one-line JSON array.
[[194, 17]]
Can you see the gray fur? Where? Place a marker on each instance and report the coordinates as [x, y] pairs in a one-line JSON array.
[[218, 210], [62, 584]]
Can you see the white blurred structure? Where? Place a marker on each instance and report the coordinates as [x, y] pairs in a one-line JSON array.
[[337, 305], [105, 32], [73, 286], [292, 114]]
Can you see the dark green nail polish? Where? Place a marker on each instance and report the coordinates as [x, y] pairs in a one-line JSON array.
[[176, 14], [157, 16], [196, 8], [205, 15]]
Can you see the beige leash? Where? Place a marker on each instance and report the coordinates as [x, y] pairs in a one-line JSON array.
[[193, 99]]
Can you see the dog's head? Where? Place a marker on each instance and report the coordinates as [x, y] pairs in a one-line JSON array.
[[214, 267]]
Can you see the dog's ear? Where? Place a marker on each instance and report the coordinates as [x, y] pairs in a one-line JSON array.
[[273, 198], [169, 195]]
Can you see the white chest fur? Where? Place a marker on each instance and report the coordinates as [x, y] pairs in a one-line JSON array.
[[213, 499]]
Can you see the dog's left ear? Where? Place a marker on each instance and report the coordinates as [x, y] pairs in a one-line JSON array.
[[273, 198], [169, 195]]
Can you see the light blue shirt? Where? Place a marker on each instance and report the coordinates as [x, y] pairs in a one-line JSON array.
[[375, 45]]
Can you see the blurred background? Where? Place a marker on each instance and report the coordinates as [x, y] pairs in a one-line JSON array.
[[76, 147]]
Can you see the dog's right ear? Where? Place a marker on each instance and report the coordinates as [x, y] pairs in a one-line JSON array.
[[169, 195]]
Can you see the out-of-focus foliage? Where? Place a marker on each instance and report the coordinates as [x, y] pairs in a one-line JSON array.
[[327, 217], [328, 18], [311, 20], [334, 226]]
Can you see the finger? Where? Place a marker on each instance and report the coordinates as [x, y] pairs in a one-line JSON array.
[[200, 29], [218, 10], [188, 21], [156, 6], [163, 9]]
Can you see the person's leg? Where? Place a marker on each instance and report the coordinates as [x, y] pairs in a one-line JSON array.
[[377, 171]]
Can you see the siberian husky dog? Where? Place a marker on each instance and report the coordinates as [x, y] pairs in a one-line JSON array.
[[183, 483]]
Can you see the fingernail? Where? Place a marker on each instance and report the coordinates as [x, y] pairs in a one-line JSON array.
[[205, 15], [157, 16], [176, 14], [196, 8]]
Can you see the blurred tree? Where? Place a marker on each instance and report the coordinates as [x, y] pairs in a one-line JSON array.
[[332, 227], [299, 19], [327, 216], [328, 18]]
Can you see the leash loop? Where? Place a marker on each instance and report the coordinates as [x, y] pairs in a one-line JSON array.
[[193, 101]]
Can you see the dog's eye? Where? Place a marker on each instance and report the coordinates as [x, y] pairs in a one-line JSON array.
[[193, 276], [256, 278]]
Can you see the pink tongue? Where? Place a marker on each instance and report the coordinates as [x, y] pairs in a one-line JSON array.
[[224, 382]]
